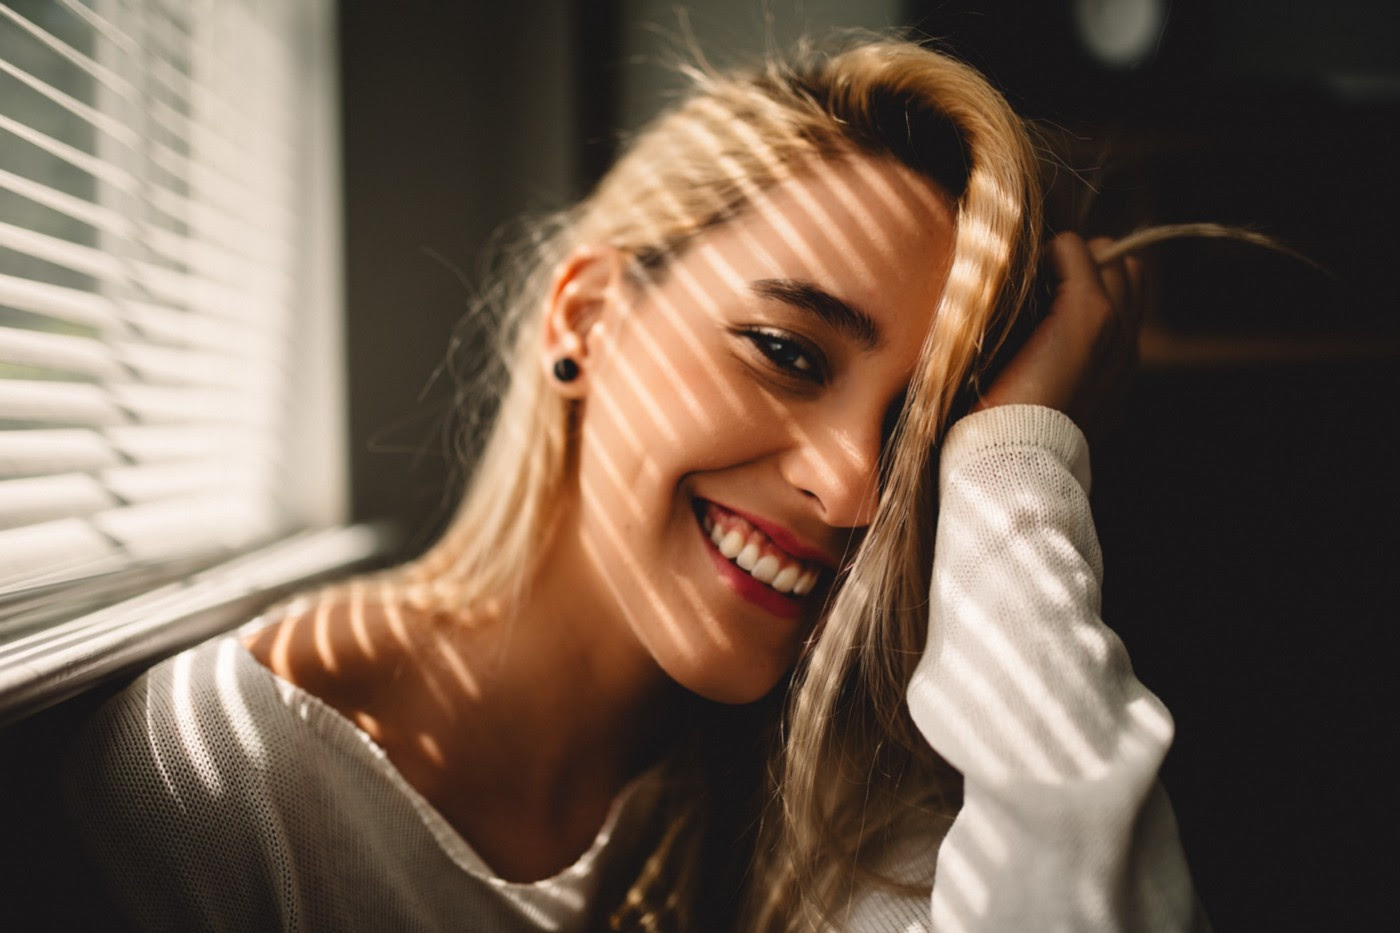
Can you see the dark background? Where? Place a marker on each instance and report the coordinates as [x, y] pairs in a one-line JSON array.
[[1247, 507]]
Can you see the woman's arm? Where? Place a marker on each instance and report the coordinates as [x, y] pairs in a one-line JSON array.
[[1022, 687], [1024, 690]]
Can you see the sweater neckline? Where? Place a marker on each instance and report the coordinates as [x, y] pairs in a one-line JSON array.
[[336, 728]]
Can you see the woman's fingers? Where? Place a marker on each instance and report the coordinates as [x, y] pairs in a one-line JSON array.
[[1081, 357]]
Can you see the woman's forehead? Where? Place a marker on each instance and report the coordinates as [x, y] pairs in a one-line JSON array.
[[865, 227]]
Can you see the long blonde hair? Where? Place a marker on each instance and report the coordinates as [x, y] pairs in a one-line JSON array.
[[845, 765]]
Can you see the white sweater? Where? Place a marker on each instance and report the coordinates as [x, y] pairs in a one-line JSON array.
[[217, 796], [1024, 690]]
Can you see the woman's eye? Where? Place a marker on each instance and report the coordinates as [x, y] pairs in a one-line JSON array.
[[788, 354]]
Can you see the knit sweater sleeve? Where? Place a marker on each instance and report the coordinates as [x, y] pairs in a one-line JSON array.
[[1025, 691]]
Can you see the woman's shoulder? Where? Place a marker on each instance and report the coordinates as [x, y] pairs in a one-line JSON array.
[[191, 723], [171, 783]]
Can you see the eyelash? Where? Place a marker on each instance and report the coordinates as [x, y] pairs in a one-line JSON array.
[[782, 349]]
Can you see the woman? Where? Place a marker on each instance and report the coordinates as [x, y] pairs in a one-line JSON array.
[[679, 661]]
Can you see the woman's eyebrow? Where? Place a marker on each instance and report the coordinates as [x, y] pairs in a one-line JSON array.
[[847, 319]]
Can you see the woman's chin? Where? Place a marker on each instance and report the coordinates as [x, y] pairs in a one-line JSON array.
[[731, 683]]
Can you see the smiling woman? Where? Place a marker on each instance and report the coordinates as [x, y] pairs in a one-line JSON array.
[[680, 661], [743, 391]]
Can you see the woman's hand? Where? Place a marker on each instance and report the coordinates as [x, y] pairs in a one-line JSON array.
[[1080, 359]]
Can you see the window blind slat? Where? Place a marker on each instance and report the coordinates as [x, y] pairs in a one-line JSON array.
[[91, 115], [164, 529], [44, 498], [148, 403], [185, 367], [37, 499], [162, 481], [179, 288], [154, 442], [78, 355], [60, 252], [181, 328], [100, 218], [228, 229], [171, 159], [215, 179], [111, 362], [215, 256], [108, 30], [75, 157], [71, 450], [57, 403], [26, 453], [107, 77], [67, 304], [53, 552]]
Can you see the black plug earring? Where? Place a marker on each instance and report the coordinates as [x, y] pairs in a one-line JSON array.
[[565, 369]]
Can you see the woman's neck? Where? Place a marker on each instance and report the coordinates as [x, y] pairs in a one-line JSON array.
[[520, 721]]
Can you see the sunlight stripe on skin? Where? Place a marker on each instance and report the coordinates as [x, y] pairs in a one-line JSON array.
[[619, 588], [393, 614], [836, 233], [464, 676], [686, 279], [681, 391], [430, 748], [644, 398], [359, 594], [635, 567], [605, 460], [752, 142], [759, 201], [280, 652], [829, 471], [703, 613], [607, 403], [321, 635], [843, 190], [684, 324], [685, 394]]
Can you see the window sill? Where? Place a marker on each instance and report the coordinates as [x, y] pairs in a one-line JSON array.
[[52, 665]]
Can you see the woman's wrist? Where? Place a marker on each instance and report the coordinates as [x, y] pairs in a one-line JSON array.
[[1002, 427]]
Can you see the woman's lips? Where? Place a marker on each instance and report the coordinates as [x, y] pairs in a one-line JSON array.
[[753, 564]]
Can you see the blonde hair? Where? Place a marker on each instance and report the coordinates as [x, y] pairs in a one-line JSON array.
[[846, 769]]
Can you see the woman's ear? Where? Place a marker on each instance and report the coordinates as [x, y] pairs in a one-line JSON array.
[[584, 294]]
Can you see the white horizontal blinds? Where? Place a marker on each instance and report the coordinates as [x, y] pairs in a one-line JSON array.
[[150, 247]]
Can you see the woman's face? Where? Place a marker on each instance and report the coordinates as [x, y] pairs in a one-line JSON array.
[[733, 415]]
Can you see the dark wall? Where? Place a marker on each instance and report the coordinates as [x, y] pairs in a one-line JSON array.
[[457, 118], [1248, 505]]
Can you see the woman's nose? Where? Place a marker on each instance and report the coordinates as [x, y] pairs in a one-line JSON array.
[[838, 466]]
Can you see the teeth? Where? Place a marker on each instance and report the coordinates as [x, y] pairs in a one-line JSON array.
[[766, 569], [785, 579], [745, 545], [804, 583]]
